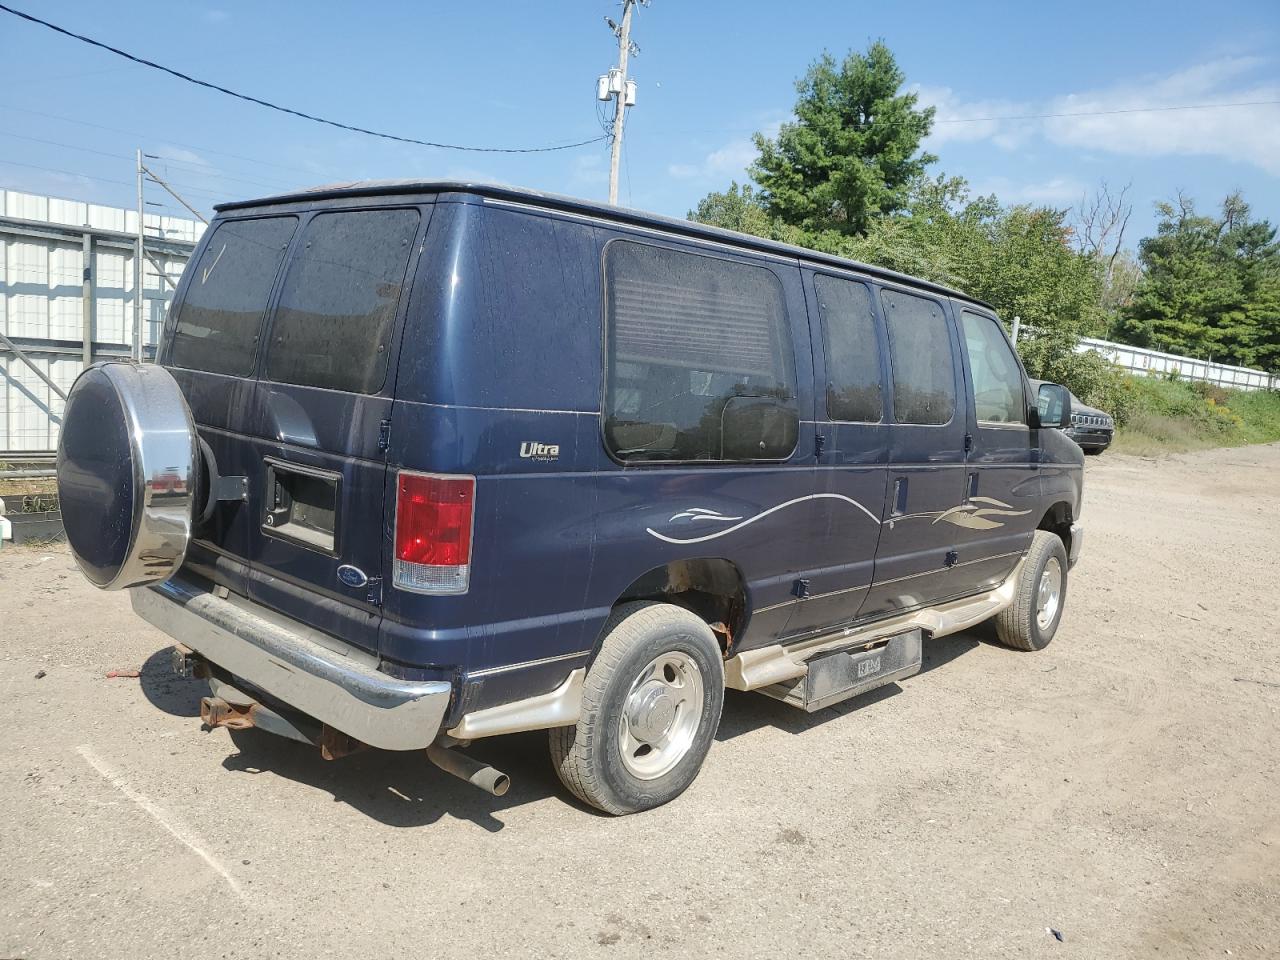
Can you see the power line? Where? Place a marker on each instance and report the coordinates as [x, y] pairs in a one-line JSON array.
[[273, 106], [204, 170], [89, 176], [141, 136]]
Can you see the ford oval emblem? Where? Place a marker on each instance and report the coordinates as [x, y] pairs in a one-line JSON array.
[[352, 576]]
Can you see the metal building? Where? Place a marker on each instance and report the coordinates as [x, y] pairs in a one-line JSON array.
[[67, 298]]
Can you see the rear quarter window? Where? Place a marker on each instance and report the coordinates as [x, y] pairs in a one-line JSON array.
[[220, 319], [337, 309], [689, 339]]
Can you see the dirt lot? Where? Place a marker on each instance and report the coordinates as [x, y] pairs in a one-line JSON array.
[[1122, 787]]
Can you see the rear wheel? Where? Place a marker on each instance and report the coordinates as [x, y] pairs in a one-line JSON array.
[[650, 708], [1030, 622]]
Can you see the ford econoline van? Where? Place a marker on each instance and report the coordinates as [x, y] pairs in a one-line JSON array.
[[422, 463]]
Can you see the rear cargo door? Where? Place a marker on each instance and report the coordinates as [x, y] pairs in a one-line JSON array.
[[316, 538], [211, 348]]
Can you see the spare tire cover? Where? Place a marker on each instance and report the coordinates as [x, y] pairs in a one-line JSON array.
[[126, 471]]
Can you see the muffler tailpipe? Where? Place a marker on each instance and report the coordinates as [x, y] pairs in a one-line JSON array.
[[473, 771]]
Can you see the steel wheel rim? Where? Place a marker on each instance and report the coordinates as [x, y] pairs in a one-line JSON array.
[[661, 715], [1049, 593]]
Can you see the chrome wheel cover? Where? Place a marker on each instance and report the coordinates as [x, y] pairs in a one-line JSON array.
[[661, 715], [1049, 594]]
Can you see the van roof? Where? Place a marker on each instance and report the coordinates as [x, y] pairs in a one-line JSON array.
[[592, 208]]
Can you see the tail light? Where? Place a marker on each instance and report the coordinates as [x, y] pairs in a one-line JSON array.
[[433, 532]]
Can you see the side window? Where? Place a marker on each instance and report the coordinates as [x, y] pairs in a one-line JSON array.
[[334, 323], [924, 386], [220, 318], [699, 362], [852, 351], [997, 379]]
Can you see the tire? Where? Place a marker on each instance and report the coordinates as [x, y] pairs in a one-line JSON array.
[[1029, 624], [603, 759]]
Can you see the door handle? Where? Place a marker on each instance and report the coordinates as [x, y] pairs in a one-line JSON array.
[[899, 496], [973, 486]]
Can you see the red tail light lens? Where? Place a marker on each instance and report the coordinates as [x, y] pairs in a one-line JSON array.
[[433, 532]]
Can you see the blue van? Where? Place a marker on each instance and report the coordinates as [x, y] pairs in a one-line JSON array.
[[422, 463]]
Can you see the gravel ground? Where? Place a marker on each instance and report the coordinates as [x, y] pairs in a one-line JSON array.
[[1120, 787]]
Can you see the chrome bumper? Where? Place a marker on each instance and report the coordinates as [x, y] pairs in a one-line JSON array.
[[1077, 541], [277, 656]]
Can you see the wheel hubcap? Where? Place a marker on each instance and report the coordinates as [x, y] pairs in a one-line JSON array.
[[1049, 594], [660, 716]]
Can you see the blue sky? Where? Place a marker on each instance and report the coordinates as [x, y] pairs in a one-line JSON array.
[[710, 73]]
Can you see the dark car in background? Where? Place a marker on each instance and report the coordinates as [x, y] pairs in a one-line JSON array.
[[1090, 427]]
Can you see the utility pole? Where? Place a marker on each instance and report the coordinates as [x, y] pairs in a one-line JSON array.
[[139, 250], [617, 87]]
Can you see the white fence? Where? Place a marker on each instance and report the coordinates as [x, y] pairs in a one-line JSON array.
[[1152, 362]]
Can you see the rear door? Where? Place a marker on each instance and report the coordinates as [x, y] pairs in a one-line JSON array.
[[852, 454], [317, 527], [211, 348], [926, 476]]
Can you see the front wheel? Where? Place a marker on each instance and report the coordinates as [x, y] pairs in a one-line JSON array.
[[1030, 622], [650, 708]]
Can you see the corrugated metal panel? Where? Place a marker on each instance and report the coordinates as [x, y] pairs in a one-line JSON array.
[[41, 287], [1144, 361], [32, 413]]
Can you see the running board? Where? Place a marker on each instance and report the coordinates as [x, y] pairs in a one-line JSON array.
[[780, 662]]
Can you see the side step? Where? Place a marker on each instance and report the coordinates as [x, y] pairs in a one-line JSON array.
[[844, 674]]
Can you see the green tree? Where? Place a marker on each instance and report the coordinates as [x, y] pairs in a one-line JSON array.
[[852, 151], [1211, 286], [739, 208]]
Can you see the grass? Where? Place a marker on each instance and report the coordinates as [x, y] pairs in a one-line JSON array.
[[1174, 416]]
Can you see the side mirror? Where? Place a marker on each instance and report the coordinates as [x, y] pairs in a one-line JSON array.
[[758, 428], [1053, 405]]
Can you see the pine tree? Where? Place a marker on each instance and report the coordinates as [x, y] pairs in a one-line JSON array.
[[852, 152]]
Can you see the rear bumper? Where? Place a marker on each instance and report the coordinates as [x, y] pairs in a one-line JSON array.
[[279, 658], [1077, 541]]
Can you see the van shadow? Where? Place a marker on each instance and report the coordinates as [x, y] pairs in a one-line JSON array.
[[175, 695], [400, 789], [404, 789], [747, 712]]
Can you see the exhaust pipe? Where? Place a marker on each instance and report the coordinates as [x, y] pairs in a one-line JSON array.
[[473, 771]]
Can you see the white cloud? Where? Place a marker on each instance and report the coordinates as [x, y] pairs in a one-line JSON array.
[[726, 162], [215, 16], [183, 156], [1134, 117], [588, 169], [962, 121], [1055, 192]]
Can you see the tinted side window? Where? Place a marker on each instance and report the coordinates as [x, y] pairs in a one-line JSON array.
[[997, 380], [334, 323], [924, 387], [686, 335], [220, 318], [852, 351]]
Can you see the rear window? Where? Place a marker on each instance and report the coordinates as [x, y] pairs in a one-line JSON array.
[[852, 352], [924, 385], [220, 319], [689, 338], [333, 326]]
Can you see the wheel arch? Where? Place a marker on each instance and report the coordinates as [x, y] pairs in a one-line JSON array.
[[713, 588], [1057, 520]]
